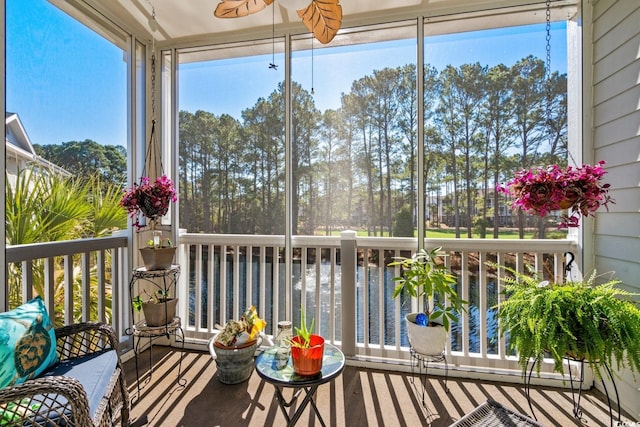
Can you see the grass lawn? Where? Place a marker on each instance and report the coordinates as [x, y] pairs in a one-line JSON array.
[[444, 233], [450, 233]]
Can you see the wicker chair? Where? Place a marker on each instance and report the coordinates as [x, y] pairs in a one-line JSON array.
[[493, 414], [53, 399]]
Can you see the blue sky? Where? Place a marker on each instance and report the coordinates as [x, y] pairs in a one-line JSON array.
[[214, 86], [69, 84], [65, 82]]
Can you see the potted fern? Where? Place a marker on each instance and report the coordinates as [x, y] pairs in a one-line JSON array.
[[580, 320], [423, 278]]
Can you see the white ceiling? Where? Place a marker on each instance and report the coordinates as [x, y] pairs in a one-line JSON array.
[[188, 21]]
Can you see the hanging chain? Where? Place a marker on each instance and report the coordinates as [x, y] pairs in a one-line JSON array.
[[153, 154], [548, 17], [153, 64], [549, 89], [153, 86]]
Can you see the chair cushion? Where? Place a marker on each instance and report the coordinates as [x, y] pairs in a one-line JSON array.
[[27, 343], [94, 373]]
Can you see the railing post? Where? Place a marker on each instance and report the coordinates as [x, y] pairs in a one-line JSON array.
[[120, 298], [349, 262], [182, 287]]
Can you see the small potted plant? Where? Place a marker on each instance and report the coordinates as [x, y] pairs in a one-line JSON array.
[[423, 278], [158, 308], [158, 254], [542, 190], [307, 349], [578, 320], [234, 346]]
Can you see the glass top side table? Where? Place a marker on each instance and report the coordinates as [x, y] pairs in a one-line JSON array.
[[332, 367]]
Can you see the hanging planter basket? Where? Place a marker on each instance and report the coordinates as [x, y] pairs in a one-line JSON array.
[[542, 190], [154, 206], [147, 197]]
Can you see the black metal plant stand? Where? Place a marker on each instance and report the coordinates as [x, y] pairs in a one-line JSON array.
[[576, 394], [420, 369], [165, 280]]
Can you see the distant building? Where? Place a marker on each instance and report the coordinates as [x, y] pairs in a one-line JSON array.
[[507, 216], [20, 152]]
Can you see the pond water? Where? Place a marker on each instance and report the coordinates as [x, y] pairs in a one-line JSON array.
[[369, 298]]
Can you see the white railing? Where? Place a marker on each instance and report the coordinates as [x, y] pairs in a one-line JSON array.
[[88, 276], [342, 282], [356, 313]]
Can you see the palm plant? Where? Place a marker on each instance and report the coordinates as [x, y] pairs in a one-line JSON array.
[[43, 207], [105, 213]]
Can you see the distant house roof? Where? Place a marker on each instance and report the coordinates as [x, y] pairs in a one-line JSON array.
[[19, 147]]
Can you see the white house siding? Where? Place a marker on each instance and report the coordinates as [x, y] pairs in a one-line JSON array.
[[615, 52]]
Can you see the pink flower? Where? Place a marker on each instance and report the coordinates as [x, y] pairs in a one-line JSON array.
[[152, 201], [543, 190]]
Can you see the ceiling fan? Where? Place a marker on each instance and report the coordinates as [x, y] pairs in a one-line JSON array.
[[321, 17]]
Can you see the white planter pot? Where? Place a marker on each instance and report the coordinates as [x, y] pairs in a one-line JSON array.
[[426, 340]]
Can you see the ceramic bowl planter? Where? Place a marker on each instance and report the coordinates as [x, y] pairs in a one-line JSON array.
[[157, 258], [159, 313], [234, 363], [426, 340], [233, 347], [307, 361]]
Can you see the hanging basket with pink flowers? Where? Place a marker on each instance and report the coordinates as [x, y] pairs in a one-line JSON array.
[[148, 199], [543, 190]]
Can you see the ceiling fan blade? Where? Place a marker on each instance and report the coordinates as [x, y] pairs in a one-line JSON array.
[[238, 8], [323, 19]]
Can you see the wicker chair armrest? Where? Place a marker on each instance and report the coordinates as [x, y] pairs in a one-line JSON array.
[[81, 339], [54, 400]]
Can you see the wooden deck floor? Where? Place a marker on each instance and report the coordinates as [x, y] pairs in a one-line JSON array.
[[359, 397]]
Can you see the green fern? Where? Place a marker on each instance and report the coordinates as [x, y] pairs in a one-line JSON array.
[[597, 323]]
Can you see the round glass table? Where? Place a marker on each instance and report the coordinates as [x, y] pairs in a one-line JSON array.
[[267, 368]]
